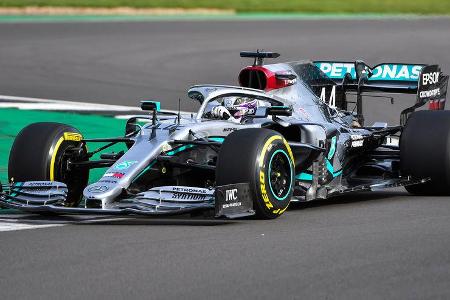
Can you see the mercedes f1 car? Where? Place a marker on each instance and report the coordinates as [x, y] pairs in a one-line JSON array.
[[289, 134]]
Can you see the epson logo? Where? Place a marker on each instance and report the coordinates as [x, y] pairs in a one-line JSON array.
[[430, 78], [231, 195]]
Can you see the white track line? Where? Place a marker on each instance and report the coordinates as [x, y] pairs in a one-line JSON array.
[[58, 107], [13, 226], [27, 103], [50, 104]]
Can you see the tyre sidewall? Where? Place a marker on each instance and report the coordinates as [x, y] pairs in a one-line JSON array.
[[425, 152], [270, 204]]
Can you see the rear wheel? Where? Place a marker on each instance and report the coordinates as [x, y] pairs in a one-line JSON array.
[[41, 151], [262, 158], [425, 152]]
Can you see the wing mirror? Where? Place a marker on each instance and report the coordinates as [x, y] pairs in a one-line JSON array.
[[195, 95], [150, 105]]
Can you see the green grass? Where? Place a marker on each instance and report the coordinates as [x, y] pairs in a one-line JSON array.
[[301, 6]]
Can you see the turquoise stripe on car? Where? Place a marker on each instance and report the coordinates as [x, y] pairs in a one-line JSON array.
[[304, 176], [309, 177], [332, 148]]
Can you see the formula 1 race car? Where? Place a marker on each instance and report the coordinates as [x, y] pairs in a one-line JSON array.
[[287, 133]]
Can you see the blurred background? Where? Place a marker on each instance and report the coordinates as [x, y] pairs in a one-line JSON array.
[[238, 6]]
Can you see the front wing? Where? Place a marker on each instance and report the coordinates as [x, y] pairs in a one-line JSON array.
[[49, 196]]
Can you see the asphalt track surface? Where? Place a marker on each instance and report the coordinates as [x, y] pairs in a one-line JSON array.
[[382, 245]]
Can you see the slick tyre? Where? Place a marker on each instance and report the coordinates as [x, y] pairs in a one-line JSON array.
[[262, 158], [40, 152], [425, 152]]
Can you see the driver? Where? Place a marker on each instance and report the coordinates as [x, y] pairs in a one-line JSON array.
[[234, 108]]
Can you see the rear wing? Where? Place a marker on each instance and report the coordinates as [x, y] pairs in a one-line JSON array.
[[398, 78], [427, 82]]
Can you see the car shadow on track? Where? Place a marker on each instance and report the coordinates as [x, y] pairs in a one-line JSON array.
[[351, 198], [183, 220]]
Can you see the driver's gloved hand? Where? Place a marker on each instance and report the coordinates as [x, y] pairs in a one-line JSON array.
[[220, 112]]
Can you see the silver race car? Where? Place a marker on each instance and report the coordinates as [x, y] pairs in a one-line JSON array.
[[287, 133]]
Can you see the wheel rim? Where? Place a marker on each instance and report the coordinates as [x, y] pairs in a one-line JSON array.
[[280, 175], [74, 179]]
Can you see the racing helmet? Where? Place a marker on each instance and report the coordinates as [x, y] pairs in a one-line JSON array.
[[240, 106]]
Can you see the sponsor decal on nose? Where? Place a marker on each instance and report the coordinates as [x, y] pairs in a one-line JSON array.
[[125, 164], [115, 175]]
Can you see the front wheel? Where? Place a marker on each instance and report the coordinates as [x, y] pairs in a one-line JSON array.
[[262, 158], [41, 151]]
